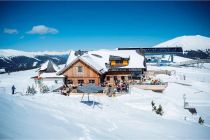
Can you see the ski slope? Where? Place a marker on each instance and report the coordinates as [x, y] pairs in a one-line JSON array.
[[53, 116], [193, 42]]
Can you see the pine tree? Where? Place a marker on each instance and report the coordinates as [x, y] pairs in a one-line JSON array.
[[31, 90], [154, 108], [44, 89], [159, 111], [200, 120], [153, 104]]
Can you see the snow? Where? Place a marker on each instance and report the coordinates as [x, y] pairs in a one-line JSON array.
[[136, 60], [35, 63], [12, 53], [2, 70], [54, 116], [99, 62], [177, 59], [21, 80], [50, 75], [196, 42], [45, 65]]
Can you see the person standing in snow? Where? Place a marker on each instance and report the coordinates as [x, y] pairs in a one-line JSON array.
[[13, 89]]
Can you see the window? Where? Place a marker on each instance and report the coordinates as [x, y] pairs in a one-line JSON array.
[[80, 81], [123, 78], [119, 61], [115, 78], [92, 81], [108, 78], [80, 69]]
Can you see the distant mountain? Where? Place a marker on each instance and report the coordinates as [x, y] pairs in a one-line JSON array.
[[195, 47], [196, 42], [14, 60]]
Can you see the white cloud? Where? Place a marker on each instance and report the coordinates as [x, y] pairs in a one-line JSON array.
[[42, 29], [10, 31]]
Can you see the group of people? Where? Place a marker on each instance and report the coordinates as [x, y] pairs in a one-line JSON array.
[[122, 86], [119, 86], [67, 89], [156, 82]]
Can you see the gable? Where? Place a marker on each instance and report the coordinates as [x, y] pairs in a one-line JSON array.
[[50, 67], [87, 71]]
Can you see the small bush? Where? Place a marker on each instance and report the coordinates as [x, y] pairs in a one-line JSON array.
[[44, 89], [154, 108], [31, 90], [153, 104], [200, 120], [159, 111]]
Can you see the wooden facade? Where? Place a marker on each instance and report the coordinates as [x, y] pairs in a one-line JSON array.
[[79, 72], [113, 76]]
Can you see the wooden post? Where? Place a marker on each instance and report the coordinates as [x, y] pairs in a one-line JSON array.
[[172, 58], [184, 97]]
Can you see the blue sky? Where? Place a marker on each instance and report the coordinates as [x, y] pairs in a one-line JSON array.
[[37, 26]]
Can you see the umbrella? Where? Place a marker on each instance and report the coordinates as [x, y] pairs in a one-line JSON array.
[[89, 88]]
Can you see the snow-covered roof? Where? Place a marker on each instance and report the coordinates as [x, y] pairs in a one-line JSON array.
[[135, 60], [50, 75], [99, 59], [49, 66]]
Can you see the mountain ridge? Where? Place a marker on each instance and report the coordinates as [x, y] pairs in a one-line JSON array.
[[13, 53], [190, 42]]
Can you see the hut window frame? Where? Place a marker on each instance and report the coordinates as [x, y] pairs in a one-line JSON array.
[[108, 78], [81, 81], [92, 81], [80, 69], [118, 61]]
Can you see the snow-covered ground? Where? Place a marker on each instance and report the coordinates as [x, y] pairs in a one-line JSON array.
[[124, 117], [192, 42]]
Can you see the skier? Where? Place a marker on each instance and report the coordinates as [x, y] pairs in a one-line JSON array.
[[13, 89]]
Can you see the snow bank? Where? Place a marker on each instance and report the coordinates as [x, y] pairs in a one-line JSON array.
[[21, 119]]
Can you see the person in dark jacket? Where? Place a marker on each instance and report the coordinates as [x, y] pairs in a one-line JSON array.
[[13, 89]]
